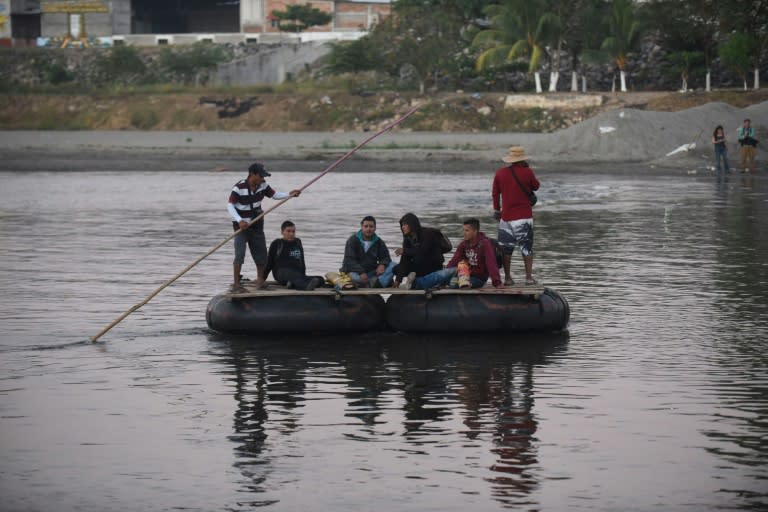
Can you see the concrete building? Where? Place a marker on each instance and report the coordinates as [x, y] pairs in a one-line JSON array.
[[5, 23], [176, 21]]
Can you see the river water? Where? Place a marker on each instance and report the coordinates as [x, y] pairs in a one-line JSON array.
[[656, 398]]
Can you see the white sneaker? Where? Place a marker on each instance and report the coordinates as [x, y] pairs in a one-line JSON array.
[[409, 281]]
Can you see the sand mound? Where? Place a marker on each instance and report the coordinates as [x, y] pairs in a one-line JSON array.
[[631, 135]]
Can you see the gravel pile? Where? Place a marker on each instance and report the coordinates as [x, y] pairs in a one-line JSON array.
[[666, 138]]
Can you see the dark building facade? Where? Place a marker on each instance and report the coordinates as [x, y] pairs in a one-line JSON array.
[[23, 21]]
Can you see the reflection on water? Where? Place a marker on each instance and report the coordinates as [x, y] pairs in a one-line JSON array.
[[466, 402], [655, 398]]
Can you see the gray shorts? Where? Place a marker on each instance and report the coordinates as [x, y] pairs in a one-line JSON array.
[[254, 238], [516, 232]]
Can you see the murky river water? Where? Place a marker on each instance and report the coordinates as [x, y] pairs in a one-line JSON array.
[[655, 399]]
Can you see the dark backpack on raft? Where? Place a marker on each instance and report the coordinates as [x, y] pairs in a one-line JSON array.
[[498, 251]]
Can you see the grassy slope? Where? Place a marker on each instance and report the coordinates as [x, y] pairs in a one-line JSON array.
[[318, 111]]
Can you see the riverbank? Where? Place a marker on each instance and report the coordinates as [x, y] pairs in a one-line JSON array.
[[678, 140]]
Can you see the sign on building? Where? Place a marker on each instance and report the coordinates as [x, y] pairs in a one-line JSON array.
[[5, 19], [74, 6], [68, 18]]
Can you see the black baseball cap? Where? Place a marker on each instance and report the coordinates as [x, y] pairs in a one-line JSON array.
[[258, 168]]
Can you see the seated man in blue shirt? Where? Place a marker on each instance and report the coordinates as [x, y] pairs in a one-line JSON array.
[[366, 257]]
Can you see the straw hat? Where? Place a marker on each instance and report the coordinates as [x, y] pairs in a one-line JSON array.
[[515, 154]]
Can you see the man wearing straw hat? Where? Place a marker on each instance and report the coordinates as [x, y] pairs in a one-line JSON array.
[[513, 186]]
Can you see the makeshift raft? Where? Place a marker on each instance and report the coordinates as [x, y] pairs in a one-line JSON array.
[[280, 310]]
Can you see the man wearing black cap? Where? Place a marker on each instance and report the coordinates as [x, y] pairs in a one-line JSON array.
[[244, 206]]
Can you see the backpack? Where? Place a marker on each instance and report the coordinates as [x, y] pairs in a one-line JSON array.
[[498, 251], [445, 244]]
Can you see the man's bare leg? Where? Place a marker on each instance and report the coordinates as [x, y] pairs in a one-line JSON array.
[[507, 263], [528, 262], [260, 279], [237, 269]]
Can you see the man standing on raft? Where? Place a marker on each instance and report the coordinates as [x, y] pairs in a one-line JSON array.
[[244, 206], [512, 186]]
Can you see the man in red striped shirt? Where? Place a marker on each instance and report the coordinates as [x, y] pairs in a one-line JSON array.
[[244, 206], [512, 185]]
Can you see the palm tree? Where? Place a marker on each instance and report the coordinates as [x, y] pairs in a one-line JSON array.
[[519, 29], [625, 33], [585, 26], [735, 53]]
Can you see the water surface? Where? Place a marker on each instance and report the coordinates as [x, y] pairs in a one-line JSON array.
[[654, 399]]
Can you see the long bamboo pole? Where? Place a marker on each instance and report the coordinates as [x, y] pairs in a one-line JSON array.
[[230, 237]]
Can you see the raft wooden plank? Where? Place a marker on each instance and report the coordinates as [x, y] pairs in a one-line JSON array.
[[281, 291]]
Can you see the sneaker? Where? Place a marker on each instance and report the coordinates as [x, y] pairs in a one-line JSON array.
[[313, 283], [408, 284], [509, 281]]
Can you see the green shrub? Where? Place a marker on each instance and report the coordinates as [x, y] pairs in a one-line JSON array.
[[736, 53], [184, 120], [121, 65], [188, 62], [52, 71], [48, 118], [144, 118], [353, 56]]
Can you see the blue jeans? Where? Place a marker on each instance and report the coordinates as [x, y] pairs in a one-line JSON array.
[[435, 279], [385, 279], [721, 153], [297, 280]]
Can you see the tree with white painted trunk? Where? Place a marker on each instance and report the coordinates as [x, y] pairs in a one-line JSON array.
[[421, 36], [519, 30], [625, 34], [583, 29], [557, 40], [693, 48], [736, 53], [685, 63], [746, 23]]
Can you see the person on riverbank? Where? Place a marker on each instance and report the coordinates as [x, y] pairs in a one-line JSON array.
[[479, 254], [286, 261], [366, 257], [512, 185], [721, 149], [746, 137], [244, 206], [421, 256]]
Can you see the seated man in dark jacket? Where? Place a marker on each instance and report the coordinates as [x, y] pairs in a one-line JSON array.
[[366, 257], [286, 261], [421, 256]]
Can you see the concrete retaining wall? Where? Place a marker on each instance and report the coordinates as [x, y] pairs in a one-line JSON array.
[[270, 66]]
